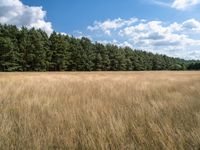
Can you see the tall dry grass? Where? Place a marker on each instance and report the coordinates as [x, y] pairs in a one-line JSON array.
[[121, 110]]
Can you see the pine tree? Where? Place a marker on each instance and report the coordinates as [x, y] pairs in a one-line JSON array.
[[59, 49], [98, 62], [32, 50], [8, 56]]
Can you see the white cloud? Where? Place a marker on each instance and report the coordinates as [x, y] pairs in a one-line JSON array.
[[15, 12], [109, 25], [174, 39], [184, 4], [191, 24], [177, 4], [115, 42]]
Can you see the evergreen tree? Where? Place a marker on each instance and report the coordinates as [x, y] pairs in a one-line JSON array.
[[8, 56], [32, 50], [88, 54], [59, 52], [98, 62], [105, 61], [9, 52]]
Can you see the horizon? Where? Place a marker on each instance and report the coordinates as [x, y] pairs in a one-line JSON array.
[[164, 27]]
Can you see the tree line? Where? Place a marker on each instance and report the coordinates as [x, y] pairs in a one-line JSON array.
[[32, 50]]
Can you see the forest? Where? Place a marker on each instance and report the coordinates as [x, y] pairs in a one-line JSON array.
[[33, 50]]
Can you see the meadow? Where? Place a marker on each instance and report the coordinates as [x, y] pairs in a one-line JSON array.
[[100, 110]]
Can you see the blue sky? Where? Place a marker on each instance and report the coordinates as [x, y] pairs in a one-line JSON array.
[[71, 15], [169, 27]]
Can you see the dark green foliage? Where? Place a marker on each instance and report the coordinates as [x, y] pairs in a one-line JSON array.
[[32, 50], [194, 66], [59, 52], [9, 52], [33, 47]]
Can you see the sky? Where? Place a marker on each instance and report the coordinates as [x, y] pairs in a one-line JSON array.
[[170, 27]]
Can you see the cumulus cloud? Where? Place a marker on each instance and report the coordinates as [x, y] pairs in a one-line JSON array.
[[174, 39], [16, 13], [184, 4], [109, 25], [177, 4], [191, 24]]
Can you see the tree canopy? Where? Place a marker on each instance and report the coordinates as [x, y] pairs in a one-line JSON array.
[[32, 50]]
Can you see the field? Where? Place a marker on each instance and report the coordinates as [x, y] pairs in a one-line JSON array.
[[100, 110]]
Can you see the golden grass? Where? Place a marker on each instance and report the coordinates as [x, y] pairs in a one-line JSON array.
[[109, 110]]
